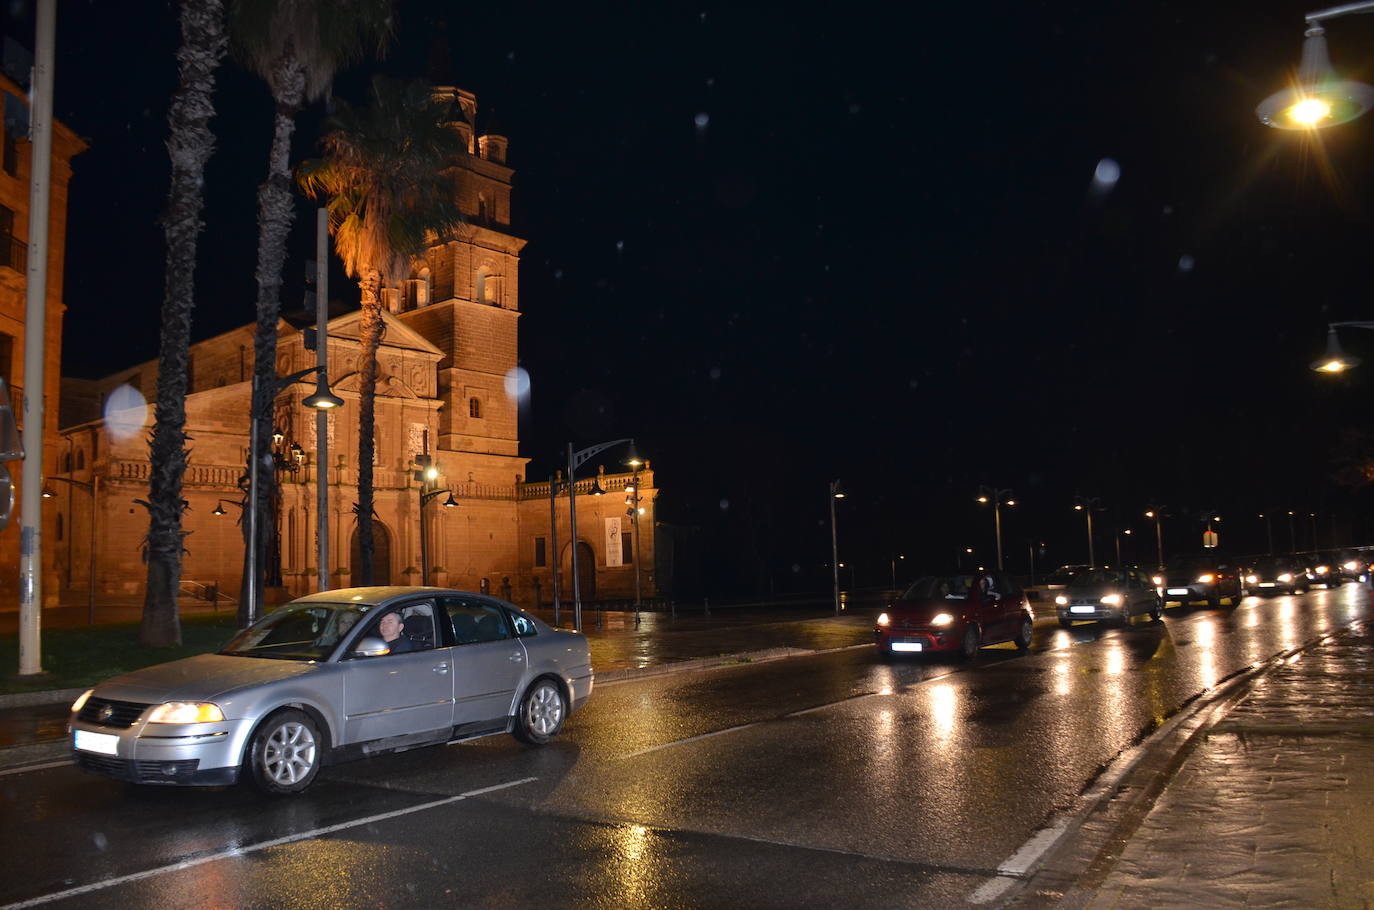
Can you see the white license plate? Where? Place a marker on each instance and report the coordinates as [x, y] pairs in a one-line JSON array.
[[1082, 609], [1266, 584], [1178, 590], [104, 743], [906, 646]]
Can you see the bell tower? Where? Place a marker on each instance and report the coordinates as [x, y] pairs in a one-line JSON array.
[[464, 297]]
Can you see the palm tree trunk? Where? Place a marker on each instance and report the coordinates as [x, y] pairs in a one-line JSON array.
[[190, 144], [276, 211], [370, 335]]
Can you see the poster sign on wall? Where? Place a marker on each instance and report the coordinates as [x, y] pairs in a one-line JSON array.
[[613, 541]]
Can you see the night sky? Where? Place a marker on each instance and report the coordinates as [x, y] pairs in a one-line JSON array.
[[786, 243]]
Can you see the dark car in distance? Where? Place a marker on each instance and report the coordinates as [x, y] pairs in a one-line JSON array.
[[1278, 575], [1205, 577], [956, 613], [1326, 569], [1108, 595]]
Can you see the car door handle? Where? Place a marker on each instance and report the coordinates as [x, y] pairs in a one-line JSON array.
[[517, 657], [442, 668]]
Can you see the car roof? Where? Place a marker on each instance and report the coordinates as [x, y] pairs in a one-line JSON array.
[[378, 594]]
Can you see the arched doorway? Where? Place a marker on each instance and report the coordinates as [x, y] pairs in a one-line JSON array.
[[381, 556]]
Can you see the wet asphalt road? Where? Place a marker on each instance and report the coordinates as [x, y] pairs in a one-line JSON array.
[[832, 780]]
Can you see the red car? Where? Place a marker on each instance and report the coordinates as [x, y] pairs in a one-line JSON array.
[[959, 613]]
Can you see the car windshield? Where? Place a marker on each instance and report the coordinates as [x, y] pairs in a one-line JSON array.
[[1270, 563], [300, 631], [1063, 576], [1098, 578], [940, 587]]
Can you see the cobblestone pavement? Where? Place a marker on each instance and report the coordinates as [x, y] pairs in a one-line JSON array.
[[1273, 807]]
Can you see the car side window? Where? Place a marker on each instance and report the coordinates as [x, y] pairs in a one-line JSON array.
[[474, 621], [523, 625]]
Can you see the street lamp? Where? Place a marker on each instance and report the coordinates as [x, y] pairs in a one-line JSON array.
[[894, 569], [634, 510], [835, 493], [1086, 505], [1292, 532], [996, 497], [426, 474], [575, 460], [93, 488], [1119, 532], [1320, 98], [1155, 514], [1335, 360]]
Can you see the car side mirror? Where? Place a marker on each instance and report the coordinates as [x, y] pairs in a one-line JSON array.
[[370, 646]]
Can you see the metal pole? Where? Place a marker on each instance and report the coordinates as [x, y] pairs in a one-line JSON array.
[[95, 491], [997, 521], [553, 546], [1092, 560], [424, 537], [322, 414], [1118, 549], [35, 347], [834, 551], [1269, 530], [636, 526], [1159, 541], [251, 594], [572, 542]]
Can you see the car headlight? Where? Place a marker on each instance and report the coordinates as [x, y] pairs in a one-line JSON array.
[[1321, 570], [1112, 600], [1061, 600], [1206, 578], [1350, 566], [81, 700], [1251, 579], [942, 619], [1284, 576], [186, 712], [884, 619], [1158, 579]]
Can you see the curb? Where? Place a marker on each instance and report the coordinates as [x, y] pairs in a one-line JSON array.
[[41, 697]]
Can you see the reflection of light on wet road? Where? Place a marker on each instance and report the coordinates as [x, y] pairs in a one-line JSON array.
[[944, 704], [1063, 675], [1206, 640], [1116, 659], [631, 871]]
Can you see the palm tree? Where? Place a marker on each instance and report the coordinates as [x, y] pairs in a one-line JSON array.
[[190, 144], [389, 200], [296, 47]]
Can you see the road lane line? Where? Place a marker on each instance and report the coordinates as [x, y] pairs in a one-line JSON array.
[[677, 742], [52, 764], [254, 848]]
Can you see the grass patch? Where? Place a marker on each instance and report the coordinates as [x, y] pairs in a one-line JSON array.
[[86, 656]]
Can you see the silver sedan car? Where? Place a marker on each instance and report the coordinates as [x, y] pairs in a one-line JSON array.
[[333, 676]]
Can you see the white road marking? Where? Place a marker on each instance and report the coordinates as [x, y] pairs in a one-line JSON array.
[[677, 742], [51, 764], [254, 848]]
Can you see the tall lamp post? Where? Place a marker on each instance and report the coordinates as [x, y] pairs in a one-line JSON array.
[[998, 498], [835, 493], [94, 489], [426, 475], [634, 510], [1155, 514], [323, 400], [893, 567], [1086, 505], [1268, 530], [575, 460]]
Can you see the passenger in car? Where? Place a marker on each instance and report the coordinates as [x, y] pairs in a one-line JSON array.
[[391, 631]]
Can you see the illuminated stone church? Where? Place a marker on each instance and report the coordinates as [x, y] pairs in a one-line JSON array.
[[447, 386]]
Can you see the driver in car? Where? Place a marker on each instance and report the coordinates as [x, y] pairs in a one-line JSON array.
[[391, 630]]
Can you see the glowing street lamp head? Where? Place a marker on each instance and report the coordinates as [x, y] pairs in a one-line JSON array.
[[1320, 98], [1334, 360]]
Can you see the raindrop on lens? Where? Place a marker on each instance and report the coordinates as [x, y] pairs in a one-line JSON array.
[[702, 120], [99, 840], [1185, 263], [1107, 173], [725, 505], [517, 383]]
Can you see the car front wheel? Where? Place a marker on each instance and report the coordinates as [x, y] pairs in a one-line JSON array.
[[1157, 610], [541, 713], [970, 644], [285, 753]]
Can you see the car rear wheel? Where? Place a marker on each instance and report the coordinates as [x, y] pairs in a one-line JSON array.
[[1157, 611], [1023, 638], [1214, 602], [284, 755], [970, 644], [541, 713]]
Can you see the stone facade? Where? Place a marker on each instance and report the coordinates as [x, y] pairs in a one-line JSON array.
[[450, 343], [15, 168]]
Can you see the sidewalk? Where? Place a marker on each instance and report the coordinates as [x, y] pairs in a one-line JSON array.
[[1268, 803]]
